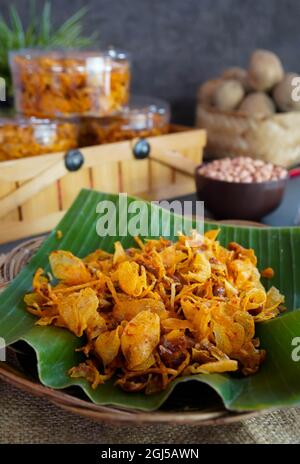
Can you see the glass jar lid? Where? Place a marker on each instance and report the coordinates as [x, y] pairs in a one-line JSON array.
[[58, 60], [145, 113]]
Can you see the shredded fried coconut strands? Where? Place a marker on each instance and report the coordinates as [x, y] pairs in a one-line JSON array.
[[150, 314]]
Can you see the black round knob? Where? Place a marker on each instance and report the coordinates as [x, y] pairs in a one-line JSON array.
[[74, 159], [141, 149]]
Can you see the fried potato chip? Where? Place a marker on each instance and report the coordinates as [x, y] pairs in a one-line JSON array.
[[271, 308], [253, 298], [127, 308], [33, 299], [175, 334], [189, 307], [236, 335], [89, 372], [119, 254], [196, 240], [46, 320], [98, 255], [132, 278], [213, 367], [244, 273], [39, 278], [274, 298], [140, 338], [212, 234], [243, 253], [173, 323], [247, 321], [222, 340], [199, 317], [250, 358], [201, 269], [68, 268], [230, 289], [79, 312], [171, 257], [107, 345], [145, 364]]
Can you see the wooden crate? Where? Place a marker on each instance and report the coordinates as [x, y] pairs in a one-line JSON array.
[[36, 192]]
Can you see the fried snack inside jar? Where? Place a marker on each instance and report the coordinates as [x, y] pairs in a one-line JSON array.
[[23, 137], [142, 117], [77, 83]]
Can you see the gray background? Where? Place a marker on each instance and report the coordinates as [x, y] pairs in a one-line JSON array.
[[177, 44]]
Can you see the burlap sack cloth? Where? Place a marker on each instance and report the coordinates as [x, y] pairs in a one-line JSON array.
[[27, 419]]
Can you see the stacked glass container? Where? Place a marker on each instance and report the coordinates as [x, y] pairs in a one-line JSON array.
[[66, 99]]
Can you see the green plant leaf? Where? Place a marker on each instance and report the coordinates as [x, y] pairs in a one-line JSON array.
[[46, 24], [277, 383], [17, 28], [39, 32]]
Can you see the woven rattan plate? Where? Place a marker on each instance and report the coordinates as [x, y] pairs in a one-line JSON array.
[[20, 366]]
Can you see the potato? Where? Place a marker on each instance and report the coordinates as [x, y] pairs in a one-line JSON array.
[[228, 95], [238, 74], [207, 90], [265, 70], [283, 91], [258, 104], [139, 339]]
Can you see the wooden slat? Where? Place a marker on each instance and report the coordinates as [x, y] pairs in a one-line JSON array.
[[194, 156], [178, 141], [14, 230], [26, 168], [71, 184], [176, 160], [5, 189], [106, 178], [135, 176], [31, 188], [160, 175], [41, 204], [161, 149]]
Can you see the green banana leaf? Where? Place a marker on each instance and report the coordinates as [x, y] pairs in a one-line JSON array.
[[277, 383]]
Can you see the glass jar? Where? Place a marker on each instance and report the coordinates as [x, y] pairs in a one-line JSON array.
[[70, 83], [142, 117], [22, 137]]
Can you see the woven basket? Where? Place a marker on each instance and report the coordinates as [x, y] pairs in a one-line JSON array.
[[274, 139]]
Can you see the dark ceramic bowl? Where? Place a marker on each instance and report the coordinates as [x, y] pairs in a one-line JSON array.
[[232, 200]]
